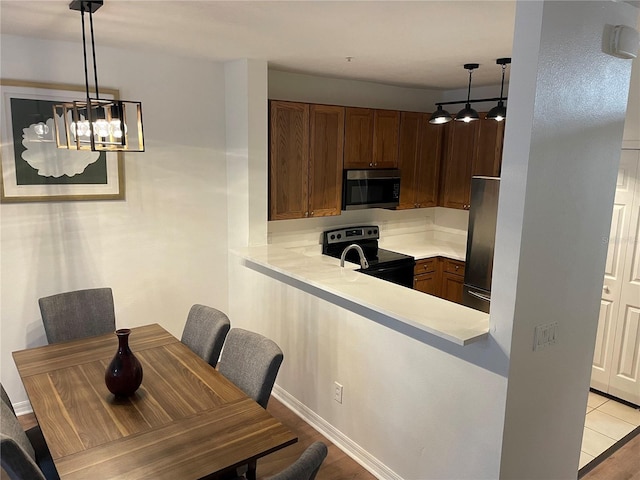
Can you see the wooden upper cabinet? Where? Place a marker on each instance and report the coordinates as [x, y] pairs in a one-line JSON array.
[[371, 138], [358, 138], [419, 153], [473, 148], [305, 160], [428, 167], [456, 180], [488, 158], [386, 130], [288, 160], [408, 158], [325, 160]]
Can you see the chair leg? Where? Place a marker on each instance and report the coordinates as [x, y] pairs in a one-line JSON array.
[[251, 472]]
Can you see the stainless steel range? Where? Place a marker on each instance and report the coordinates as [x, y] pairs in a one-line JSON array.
[[384, 264]]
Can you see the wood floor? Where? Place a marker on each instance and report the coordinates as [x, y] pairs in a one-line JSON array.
[[624, 464]]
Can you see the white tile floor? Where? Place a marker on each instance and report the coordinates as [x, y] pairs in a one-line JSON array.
[[607, 421]]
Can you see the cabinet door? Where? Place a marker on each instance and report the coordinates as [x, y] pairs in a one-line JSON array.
[[428, 164], [288, 160], [427, 283], [452, 286], [325, 160], [358, 138], [408, 157], [456, 184], [386, 129], [488, 156]]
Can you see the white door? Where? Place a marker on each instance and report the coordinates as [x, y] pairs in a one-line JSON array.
[[616, 361], [614, 270], [624, 381]]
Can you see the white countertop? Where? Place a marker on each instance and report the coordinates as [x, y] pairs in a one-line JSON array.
[[450, 321], [426, 245]]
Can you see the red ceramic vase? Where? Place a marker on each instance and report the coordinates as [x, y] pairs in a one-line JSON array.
[[124, 374]]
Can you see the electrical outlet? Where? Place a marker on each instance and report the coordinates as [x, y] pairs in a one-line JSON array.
[[337, 392]]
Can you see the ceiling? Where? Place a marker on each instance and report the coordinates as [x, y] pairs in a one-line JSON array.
[[420, 44]]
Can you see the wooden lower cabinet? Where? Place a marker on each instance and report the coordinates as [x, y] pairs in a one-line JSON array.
[[425, 276], [439, 276]]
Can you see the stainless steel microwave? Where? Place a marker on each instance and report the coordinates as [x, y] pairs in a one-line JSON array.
[[370, 189]]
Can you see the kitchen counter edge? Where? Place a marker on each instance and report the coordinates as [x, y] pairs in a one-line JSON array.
[[452, 322]]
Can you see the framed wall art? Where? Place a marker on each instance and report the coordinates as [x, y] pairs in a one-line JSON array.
[[33, 168]]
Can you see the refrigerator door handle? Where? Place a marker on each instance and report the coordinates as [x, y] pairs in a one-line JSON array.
[[486, 298]]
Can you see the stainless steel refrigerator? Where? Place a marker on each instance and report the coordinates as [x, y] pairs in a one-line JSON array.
[[481, 236]]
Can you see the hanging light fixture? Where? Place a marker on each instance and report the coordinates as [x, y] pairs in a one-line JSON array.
[[440, 116], [97, 124], [468, 114], [499, 112]]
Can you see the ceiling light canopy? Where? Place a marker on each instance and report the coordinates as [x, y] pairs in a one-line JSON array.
[[468, 114], [99, 125]]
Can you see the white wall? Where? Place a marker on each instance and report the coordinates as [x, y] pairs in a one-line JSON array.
[[298, 87], [165, 246]]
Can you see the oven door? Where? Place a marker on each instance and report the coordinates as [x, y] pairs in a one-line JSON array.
[[401, 273], [370, 189]]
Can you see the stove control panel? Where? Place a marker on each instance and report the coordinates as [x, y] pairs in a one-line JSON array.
[[350, 234]]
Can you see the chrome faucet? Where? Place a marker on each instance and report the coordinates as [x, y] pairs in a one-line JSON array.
[[354, 246]]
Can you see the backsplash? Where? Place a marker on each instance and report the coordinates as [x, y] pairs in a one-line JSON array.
[[308, 231]]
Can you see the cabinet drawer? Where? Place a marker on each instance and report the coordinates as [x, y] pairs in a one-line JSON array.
[[453, 266], [426, 265]]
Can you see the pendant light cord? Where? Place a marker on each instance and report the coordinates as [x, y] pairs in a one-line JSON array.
[[469, 88], [504, 67]]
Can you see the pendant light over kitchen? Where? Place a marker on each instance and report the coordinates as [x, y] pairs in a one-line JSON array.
[[468, 114], [96, 124], [499, 112]]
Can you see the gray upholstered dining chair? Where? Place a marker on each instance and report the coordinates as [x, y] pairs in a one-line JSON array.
[[24, 454], [78, 314], [306, 466], [251, 361], [205, 331]]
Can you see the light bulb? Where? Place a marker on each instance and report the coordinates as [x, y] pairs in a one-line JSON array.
[[116, 130], [101, 128]]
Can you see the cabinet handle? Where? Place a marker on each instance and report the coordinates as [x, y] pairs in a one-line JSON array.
[[371, 164], [606, 289], [312, 213], [457, 267], [306, 214]]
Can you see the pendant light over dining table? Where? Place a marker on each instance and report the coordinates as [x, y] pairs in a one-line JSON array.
[[99, 125]]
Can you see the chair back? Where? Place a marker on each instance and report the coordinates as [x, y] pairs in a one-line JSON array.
[[5, 398], [251, 361], [205, 331], [79, 314], [307, 465], [18, 456]]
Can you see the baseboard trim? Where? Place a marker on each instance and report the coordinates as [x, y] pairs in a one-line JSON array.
[[339, 439], [23, 408]]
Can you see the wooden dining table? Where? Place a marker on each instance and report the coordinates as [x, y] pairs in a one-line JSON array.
[[186, 421]]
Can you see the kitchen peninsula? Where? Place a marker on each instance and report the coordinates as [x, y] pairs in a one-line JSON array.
[[320, 275]]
